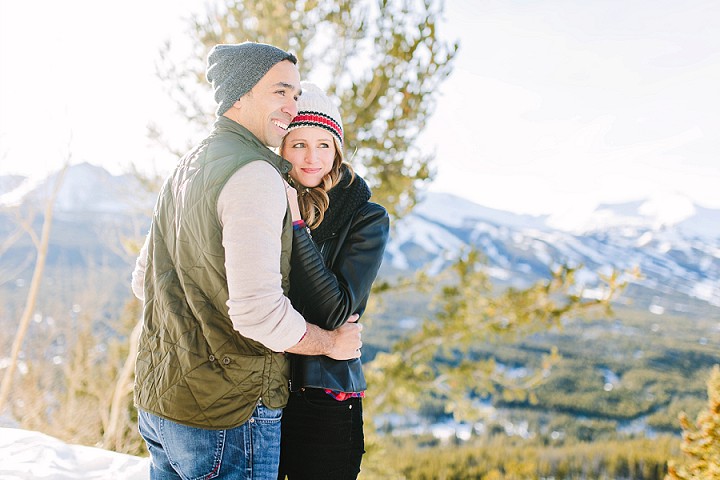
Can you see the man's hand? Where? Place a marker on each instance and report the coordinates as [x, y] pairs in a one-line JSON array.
[[347, 341], [341, 344]]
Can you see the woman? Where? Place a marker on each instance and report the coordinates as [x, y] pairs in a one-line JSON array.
[[338, 244]]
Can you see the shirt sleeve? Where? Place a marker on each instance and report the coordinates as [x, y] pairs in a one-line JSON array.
[[138, 274], [251, 208]]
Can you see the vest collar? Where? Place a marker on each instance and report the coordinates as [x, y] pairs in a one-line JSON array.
[[224, 124]]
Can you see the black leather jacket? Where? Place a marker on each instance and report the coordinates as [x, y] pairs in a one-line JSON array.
[[331, 275]]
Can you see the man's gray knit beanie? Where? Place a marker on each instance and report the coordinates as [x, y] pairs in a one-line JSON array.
[[234, 69]]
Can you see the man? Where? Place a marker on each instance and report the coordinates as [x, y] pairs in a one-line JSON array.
[[211, 377]]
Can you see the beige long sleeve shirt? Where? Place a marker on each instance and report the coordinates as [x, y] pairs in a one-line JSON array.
[[251, 208]]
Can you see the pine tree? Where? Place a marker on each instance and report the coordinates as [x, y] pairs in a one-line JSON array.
[[701, 441], [438, 359], [383, 61]]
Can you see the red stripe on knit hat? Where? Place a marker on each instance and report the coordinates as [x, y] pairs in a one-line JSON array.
[[306, 119]]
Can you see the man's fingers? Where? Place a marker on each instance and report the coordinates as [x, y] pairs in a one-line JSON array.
[[348, 340]]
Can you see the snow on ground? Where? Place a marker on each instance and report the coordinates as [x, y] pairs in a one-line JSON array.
[[28, 455]]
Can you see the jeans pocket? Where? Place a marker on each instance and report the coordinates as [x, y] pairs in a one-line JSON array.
[[194, 452], [265, 415], [265, 430]]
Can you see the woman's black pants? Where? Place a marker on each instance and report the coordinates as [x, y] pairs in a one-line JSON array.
[[322, 438]]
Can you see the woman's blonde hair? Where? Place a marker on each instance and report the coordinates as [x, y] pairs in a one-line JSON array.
[[314, 201]]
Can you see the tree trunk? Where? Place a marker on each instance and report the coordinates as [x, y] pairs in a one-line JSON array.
[[113, 434], [42, 248]]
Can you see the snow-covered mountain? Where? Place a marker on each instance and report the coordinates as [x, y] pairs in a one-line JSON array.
[[675, 212], [675, 244], [85, 189], [676, 248]]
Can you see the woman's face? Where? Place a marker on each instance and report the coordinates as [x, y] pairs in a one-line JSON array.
[[311, 150]]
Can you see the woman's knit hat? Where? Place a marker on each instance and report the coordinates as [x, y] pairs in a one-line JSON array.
[[315, 109], [234, 69]]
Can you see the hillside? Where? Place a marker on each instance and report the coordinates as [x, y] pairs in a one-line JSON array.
[[629, 373]]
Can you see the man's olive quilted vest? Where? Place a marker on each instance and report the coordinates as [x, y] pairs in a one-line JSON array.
[[192, 367]]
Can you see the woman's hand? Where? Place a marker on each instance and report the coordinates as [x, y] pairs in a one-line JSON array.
[[293, 202]]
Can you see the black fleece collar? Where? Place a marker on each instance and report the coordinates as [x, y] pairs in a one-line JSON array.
[[345, 199]]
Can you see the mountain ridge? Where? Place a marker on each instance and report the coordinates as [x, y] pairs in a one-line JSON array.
[[106, 194], [676, 244]]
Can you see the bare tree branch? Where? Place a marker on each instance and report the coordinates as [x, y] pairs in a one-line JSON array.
[[42, 248]]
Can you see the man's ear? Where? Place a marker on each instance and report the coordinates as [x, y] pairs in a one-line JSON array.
[[238, 104]]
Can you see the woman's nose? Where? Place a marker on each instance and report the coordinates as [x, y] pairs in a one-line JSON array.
[[310, 155]]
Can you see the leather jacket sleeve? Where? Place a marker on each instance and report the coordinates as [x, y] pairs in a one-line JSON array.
[[327, 287]]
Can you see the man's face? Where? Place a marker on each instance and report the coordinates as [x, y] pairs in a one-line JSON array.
[[270, 106]]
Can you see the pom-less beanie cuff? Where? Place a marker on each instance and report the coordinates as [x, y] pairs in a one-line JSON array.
[[316, 109], [317, 119], [234, 69]]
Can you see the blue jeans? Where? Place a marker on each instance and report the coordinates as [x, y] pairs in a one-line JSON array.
[[250, 451]]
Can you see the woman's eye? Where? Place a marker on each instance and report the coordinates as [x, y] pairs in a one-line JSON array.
[[298, 145], [324, 145]]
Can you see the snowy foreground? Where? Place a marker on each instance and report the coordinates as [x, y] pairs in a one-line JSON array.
[[32, 455]]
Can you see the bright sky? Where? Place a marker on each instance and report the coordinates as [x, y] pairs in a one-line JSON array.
[[553, 105]]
